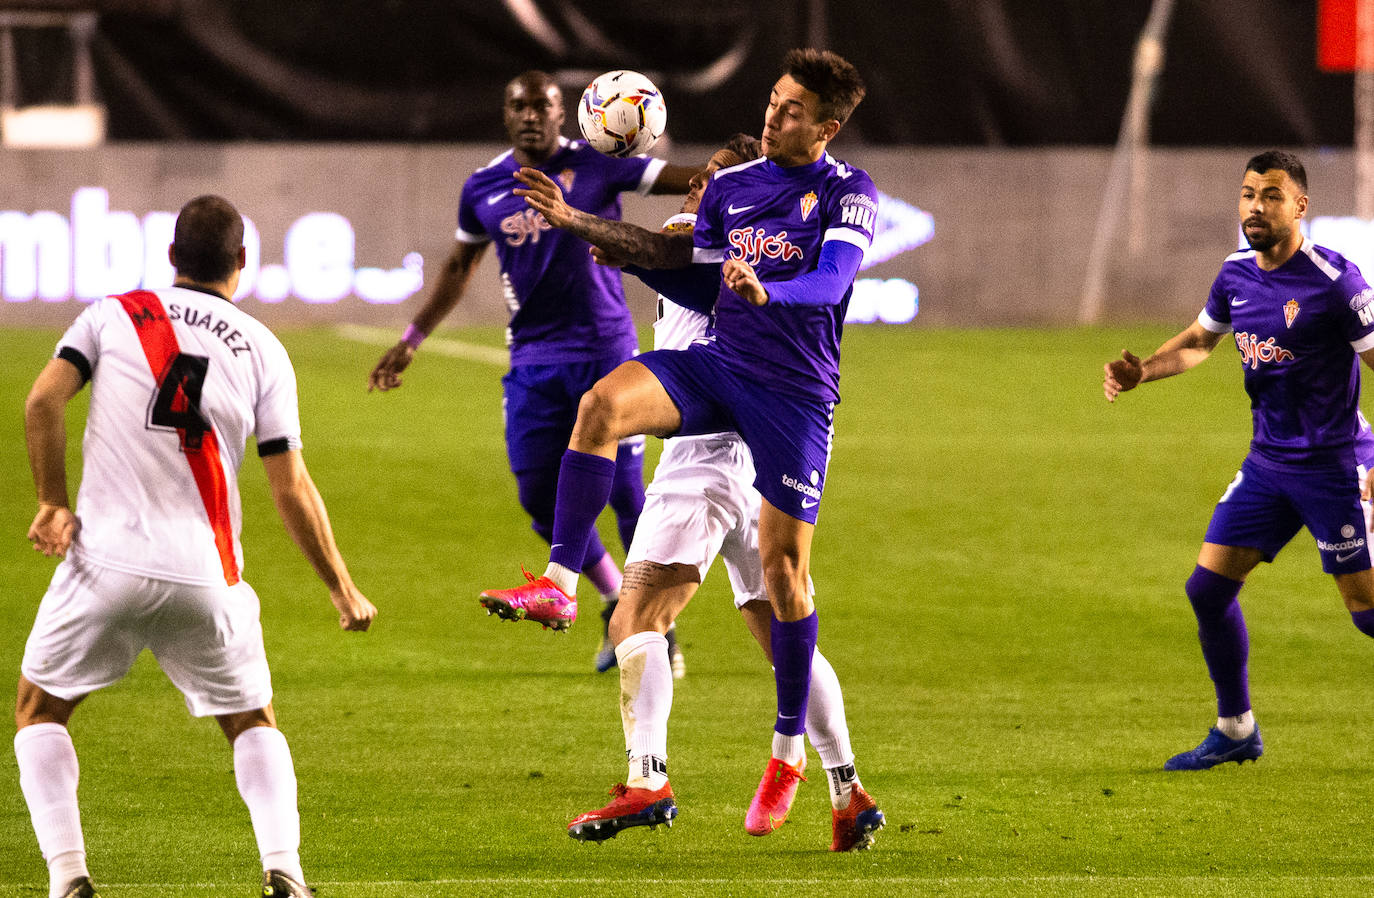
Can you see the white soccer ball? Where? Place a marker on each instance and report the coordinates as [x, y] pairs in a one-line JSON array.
[[622, 113]]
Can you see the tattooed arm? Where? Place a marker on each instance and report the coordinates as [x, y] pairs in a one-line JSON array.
[[626, 242]]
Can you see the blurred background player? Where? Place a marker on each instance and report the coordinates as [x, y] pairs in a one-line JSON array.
[[702, 503], [1300, 314], [790, 229], [180, 378], [569, 324]]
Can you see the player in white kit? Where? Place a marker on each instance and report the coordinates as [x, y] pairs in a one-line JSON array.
[[702, 503], [180, 379]]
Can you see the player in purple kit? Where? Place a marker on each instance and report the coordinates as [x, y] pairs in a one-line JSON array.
[[1300, 315], [569, 324], [780, 240]]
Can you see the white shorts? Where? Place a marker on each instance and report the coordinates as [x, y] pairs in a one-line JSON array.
[[93, 622], [700, 504]]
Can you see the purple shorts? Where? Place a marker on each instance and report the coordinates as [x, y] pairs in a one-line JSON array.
[[1264, 508], [789, 436], [540, 406]]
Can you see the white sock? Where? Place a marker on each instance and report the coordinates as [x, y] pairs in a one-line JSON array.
[[267, 782], [791, 749], [825, 721], [828, 730], [646, 698], [48, 775], [564, 578], [1238, 727], [842, 781]]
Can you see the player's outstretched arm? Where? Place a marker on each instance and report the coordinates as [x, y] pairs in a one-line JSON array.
[[448, 290], [625, 242], [45, 434], [674, 179], [1186, 349], [303, 512]]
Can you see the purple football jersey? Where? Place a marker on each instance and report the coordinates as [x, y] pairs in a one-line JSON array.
[[776, 219], [563, 306], [1298, 329]]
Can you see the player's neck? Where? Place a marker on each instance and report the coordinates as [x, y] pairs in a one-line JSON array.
[[534, 160], [1278, 254], [220, 288], [801, 159]]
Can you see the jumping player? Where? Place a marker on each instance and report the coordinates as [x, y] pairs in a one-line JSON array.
[[1300, 315], [180, 379], [790, 229], [700, 504], [569, 324]]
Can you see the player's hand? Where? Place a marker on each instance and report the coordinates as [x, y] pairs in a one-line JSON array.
[[601, 257], [739, 276], [387, 374], [355, 611], [1121, 375], [52, 530], [544, 196], [1367, 488]]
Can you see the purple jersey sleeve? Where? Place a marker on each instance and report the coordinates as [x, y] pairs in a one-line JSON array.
[[1216, 314], [1358, 321]]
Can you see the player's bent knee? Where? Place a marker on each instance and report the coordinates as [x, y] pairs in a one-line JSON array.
[[597, 414], [235, 725], [34, 705], [1209, 592]]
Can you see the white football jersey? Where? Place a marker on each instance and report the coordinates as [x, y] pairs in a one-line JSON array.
[[179, 380]]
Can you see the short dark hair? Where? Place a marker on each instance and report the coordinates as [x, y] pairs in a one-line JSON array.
[[207, 239], [1270, 160], [744, 146], [829, 76]]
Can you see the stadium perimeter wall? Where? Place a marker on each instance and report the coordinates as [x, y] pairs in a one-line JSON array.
[[1012, 229]]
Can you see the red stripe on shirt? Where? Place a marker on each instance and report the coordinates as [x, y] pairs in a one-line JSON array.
[[160, 347]]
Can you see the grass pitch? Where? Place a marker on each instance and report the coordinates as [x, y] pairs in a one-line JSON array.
[[999, 567]]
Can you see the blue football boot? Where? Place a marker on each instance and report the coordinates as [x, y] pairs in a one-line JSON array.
[[1218, 748]]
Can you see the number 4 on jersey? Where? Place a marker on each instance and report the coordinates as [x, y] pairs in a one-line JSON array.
[[176, 404]]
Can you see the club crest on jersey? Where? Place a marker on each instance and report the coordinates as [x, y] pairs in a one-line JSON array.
[[753, 244], [808, 205], [565, 178], [1253, 350], [523, 225], [1290, 311]]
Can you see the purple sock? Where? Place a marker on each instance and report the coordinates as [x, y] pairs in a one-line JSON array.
[[584, 485], [627, 492], [794, 642], [1364, 621], [603, 574], [1225, 642]]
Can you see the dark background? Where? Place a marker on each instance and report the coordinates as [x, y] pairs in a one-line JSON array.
[[940, 72]]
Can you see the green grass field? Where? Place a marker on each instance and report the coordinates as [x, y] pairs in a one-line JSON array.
[[999, 569]]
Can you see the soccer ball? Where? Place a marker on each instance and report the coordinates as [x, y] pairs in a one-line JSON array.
[[622, 113]]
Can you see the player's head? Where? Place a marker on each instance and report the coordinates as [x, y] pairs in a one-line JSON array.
[[533, 113], [207, 242], [740, 148], [1273, 198], [810, 102]]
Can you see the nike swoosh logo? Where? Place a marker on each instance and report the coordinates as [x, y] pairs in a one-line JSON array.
[[810, 503], [496, 197], [735, 210], [1237, 303], [1341, 559], [637, 449]]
